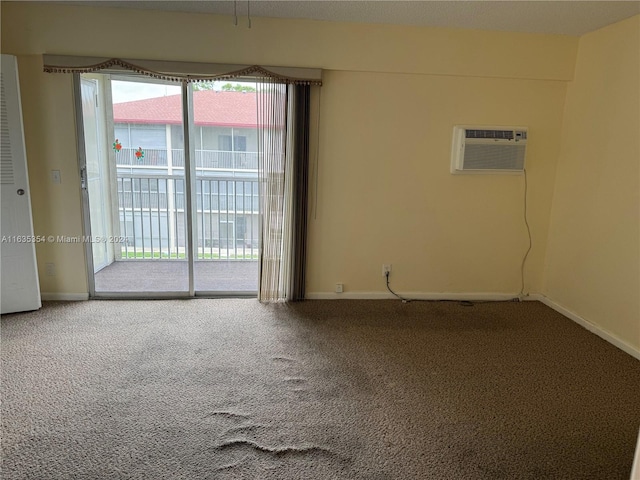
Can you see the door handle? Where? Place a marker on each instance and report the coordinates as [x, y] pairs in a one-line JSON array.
[[83, 177]]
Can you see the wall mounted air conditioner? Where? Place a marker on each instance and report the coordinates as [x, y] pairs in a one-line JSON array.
[[488, 149]]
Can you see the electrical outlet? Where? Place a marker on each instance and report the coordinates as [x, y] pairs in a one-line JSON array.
[[50, 269], [339, 288], [386, 269], [55, 176]]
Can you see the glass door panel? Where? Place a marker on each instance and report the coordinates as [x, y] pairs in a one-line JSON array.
[[143, 125], [226, 188]]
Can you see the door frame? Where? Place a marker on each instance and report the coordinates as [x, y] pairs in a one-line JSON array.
[[105, 220], [84, 192]]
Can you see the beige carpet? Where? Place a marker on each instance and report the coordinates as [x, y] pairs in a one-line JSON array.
[[231, 389]]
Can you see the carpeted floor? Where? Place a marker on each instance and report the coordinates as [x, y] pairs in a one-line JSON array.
[[232, 389]]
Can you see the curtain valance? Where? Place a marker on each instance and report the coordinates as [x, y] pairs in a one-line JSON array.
[[180, 71]]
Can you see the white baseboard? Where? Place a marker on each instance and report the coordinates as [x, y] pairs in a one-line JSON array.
[[348, 296], [498, 297], [64, 297], [598, 330]]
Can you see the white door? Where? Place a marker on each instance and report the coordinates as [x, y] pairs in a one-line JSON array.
[[20, 290]]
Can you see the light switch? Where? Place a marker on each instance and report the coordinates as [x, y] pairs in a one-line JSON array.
[[55, 176]]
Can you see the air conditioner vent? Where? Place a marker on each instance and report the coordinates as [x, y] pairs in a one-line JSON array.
[[6, 154], [503, 134], [488, 149]]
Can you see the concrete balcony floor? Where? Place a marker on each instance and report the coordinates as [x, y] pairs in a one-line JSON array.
[[149, 276]]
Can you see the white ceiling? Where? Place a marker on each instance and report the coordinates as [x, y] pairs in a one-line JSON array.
[[569, 17]]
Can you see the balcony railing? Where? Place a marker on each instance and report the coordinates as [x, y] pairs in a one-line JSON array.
[[152, 217], [204, 159], [152, 157]]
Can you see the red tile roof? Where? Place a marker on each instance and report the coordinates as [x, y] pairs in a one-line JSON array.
[[229, 109]]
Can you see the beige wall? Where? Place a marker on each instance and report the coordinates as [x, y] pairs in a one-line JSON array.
[[386, 194], [593, 262], [31, 27], [50, 138], [390, 99]]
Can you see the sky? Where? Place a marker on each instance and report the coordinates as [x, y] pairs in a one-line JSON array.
[[129, 91]]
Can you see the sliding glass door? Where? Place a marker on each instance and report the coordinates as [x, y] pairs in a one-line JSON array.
[[226, 212], [170, 217]]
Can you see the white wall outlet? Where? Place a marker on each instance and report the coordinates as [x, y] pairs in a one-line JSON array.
[[339, 288], [386, 268], [50, 269], [55, 176]]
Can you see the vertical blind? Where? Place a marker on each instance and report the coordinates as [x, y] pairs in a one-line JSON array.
[[272, 177], [283, 125], [283, 120]]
